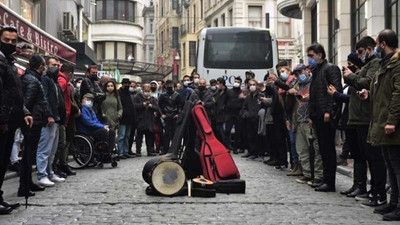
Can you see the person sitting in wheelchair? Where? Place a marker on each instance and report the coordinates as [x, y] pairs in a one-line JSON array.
[[89, 124]]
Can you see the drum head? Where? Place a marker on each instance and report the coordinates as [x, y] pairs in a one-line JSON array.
[[168, 178]]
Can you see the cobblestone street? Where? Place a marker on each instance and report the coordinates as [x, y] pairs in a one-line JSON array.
[[116, 196]]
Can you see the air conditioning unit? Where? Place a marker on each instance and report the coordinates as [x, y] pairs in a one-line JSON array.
[[68, 23]]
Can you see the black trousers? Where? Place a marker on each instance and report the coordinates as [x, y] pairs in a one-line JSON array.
[[6, 143], [360, 164], [233, 120], [243, 135], [169, 131], [102, 134], [326, 141], [251, 128], [276, 142], [149, 136], [31, 141], [132, 136], [391, 155], [375, 160]]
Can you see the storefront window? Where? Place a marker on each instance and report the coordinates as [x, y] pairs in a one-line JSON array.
[[115, 10], [359, 21], [332, 26], [393, 15], [27, 10], [255, 16]]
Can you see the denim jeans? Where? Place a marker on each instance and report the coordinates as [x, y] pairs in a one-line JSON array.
[[124, 132], [293, 150], [46, 151]]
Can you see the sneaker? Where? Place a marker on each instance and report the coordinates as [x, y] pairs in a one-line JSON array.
[[45, 182], [304, 180], [383, 209], [281, 167], [315, 183], [57, 179], [363, 197], [392, 216], [374, 201]]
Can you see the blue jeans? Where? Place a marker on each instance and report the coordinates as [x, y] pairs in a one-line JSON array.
[[293, 150], [124, 131], [46, 151]]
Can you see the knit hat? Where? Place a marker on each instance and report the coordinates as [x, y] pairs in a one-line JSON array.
[[353, 58]]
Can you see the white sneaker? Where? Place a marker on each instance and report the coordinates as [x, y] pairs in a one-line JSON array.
[[56, 179], [45, 182]]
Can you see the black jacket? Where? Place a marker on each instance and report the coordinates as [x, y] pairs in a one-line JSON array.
[[34, 98], [128, 110], [54, 97], [276, 106], [323, 75], [12, 109], [233, 102], [251, 106], [145, 116], [91, 86], [220, 106], [169, 104]]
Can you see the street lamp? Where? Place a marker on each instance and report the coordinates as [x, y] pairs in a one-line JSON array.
[[176, 64]]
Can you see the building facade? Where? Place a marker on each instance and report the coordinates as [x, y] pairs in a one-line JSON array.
[[339, 24], [148, 33]]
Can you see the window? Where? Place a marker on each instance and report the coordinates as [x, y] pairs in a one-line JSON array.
[[192, 53], [201, 9], [162, 8], [230, 14], [110, 9], [151, 54], [99, 48], [333, 26], [114, 50], [27, 10], [314, 23], [216, 23], [223, 20], [174, 4], [359, 21], [151, 26], [162, 42], [85, 28], [255, 16], [175, 37], [184, 54], [283, 26], [115, 10], [393, 15], [194, 18]]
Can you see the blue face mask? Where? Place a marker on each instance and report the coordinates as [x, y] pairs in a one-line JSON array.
[[312, 63], [377, 53], [303, 78], [284, 76]]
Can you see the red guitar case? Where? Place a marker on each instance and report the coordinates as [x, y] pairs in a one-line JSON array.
[[216, 161]]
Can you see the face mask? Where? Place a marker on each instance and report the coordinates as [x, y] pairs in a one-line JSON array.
[[377, 53], [7, 49], [153, 89], [131, 89], [202, 88], [138, 89], [186, 83], [110, 89], [303, 78], [253, 88], [89, 103], [93, 77], [170, 89], [364, 57], [236, 85], [312, 63], [213, 88], [196, 81], [78, 85], [284, 76], [53, 72]]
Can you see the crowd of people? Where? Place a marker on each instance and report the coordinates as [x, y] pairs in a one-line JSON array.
[[297, 111]]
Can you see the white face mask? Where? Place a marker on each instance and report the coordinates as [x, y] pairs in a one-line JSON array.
[[236, 85], [186, 83], [253, 88], [131, 89], [78, 85], [213, 88], [89, 103], [196, 81], [138, 89]]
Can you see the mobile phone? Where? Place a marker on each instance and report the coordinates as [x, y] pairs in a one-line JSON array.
[[299, 97]]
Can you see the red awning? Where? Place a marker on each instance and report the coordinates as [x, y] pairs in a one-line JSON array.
[[36, 36]]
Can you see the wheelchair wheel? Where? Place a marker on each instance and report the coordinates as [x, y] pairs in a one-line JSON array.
[[81, 152]]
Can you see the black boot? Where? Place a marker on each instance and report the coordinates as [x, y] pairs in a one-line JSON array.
[[348, 191], [67, 170], [5, 210], [9, 204]]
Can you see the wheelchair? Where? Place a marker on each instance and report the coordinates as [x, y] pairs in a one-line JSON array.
[[86, 152]]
